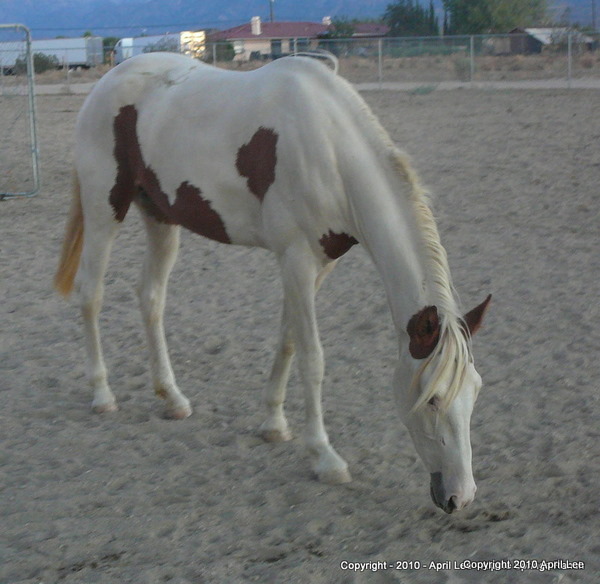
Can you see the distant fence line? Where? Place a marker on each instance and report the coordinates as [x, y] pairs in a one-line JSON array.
[[568, 55], [447, 58]]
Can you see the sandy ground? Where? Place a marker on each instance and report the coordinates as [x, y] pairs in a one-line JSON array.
[[134, 498]]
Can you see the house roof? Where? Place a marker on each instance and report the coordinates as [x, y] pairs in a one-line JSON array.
[[548, 36], [272, 30]]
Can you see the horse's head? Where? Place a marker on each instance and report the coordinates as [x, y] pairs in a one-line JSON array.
[[437, 386]]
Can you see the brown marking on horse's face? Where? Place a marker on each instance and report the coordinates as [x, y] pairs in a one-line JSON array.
[[136, 181], [424, 332], [256, 161], [336, 245]]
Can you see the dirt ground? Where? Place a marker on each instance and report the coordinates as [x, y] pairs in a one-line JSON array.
[[131, 497]]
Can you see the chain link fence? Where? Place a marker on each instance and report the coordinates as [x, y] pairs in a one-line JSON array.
[[558, 55], [552, 55], [19, 167]]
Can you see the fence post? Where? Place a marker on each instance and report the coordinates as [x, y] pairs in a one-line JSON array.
[[26, 112], [472, 58], [380, 61], [569, 58], [214, 52]]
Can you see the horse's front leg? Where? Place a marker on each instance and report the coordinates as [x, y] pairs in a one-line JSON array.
[[275, 427], [300, 272]]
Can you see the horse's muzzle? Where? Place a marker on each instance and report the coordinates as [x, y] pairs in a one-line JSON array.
[[440, 497]]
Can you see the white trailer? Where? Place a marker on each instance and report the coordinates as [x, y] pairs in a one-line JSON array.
[[74, 52], [186, 42], [69, 52]]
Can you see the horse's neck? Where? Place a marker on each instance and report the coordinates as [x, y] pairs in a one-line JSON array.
[[386, 228]]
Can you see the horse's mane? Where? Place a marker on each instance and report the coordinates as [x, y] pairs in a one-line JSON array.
[[450, 359]]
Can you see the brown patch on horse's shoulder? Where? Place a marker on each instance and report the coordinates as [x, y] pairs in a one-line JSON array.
[[128, 156], [257, 160], [194, 212], [336, 245]]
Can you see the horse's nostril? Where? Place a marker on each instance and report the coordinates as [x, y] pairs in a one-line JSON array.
[[451, 504]]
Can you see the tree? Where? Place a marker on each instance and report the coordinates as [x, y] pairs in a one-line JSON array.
[[341, 28], [484, 16], [409, 18]]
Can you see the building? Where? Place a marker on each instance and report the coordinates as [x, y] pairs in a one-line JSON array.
[[257, 39], [534, 40]]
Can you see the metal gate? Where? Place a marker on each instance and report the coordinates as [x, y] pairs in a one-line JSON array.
[[19, 161]]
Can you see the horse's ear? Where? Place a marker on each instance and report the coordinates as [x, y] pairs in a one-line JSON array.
[[424, 332], [474, 318]]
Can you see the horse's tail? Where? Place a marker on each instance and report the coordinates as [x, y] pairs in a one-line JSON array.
[[72, 244]]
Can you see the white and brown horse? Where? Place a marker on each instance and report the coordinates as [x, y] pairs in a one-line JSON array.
[[288, 158]]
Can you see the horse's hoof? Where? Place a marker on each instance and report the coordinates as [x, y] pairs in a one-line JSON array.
[[105, 407], [276, 435], [335, 477], [179, 413]]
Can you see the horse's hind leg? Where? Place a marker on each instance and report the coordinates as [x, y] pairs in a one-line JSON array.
[[98, 238], [161, 253]]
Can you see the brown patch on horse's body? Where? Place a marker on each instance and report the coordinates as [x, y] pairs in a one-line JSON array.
[[336, 245], [194, 212], [136, 181], [257, 160]]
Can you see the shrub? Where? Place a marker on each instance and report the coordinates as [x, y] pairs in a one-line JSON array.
[[462, 68], [587, 61], [41, 63]]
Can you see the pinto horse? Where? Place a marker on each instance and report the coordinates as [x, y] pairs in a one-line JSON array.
[[289, 158]]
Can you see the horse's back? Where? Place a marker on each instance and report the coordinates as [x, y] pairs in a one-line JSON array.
[[246, 142]]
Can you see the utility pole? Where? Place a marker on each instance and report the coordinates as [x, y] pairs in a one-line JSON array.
[[271, 3]]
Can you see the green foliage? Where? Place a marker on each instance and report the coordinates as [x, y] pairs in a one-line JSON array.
[[409, 18], [222, 51], [108, 43], [485, 16], [41, 63], [341, 28], [108, 46]]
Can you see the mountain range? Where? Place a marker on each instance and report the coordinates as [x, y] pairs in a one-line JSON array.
[[136, 17]]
